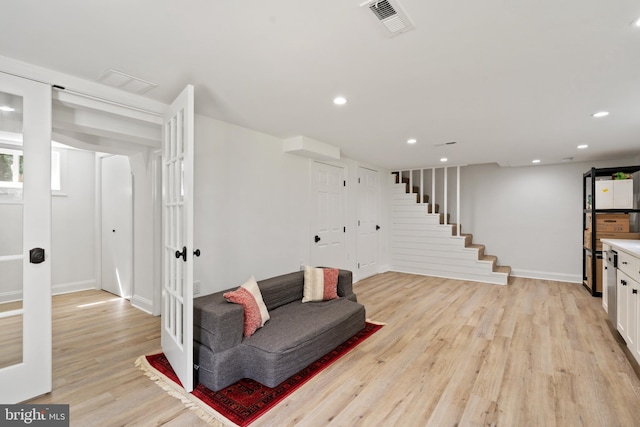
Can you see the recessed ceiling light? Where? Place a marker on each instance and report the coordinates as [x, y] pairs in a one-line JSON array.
[[7, 108], [582, 146], [444, 159], [600, 114], [412, 141], [339, 100], [535, 161]]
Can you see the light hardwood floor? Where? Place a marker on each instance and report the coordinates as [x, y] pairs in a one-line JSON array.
[[533, 353]]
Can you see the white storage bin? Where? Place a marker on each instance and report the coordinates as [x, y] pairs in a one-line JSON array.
[[604, 194], [623, 194]]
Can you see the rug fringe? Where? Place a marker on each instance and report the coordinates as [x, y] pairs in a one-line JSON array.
[[375, 323], [211, 417]]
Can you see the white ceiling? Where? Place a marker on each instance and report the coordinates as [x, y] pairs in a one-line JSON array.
[[510, 81]]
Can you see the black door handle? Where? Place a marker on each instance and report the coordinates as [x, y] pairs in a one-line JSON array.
[[635, 291], [317, 238], [196, 252], [36, 255], [624, 282], [377, 227], [182, 254]]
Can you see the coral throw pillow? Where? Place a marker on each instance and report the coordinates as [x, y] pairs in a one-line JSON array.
[[320, 284], [255, 311]]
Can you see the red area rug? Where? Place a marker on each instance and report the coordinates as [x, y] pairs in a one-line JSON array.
[[243, 402]]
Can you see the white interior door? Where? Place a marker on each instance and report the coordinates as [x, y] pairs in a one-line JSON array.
[[178, 251], [368, 222], [328, 216], [117, 225], [25, 224]]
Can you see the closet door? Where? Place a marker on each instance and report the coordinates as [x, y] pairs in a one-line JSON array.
[[25, 239], [117, 225]]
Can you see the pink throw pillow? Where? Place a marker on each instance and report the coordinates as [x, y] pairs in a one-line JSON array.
[[320, 284], [255, 311]]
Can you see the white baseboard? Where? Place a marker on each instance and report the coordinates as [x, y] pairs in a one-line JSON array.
[[61, 288], [544, 275], [66, 288], [10, 296], [143, 304]]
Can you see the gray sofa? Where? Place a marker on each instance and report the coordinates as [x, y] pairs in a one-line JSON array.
[[296, 335]]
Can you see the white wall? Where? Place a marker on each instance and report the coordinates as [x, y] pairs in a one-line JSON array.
[[72, 218], [529, 217], [252, 206], [146, 227]]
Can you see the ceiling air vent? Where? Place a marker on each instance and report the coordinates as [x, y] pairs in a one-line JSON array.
[[125, 81], [391, 15]]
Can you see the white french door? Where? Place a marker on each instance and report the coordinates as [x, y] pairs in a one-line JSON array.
[[368, 222], [328, 247], [25, 239], [178, 251]]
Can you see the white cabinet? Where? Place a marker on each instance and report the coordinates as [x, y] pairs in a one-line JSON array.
[[605, 294], [628, 316], [622, 296], [629, 265], [628, 293]]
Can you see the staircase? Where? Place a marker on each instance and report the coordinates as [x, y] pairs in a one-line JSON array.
[[424, 243]]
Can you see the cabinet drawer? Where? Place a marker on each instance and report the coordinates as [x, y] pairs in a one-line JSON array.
[[630, 265]]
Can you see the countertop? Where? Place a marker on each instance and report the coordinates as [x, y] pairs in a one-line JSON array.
[[632, 247]]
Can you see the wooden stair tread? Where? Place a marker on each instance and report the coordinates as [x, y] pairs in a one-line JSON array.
[[503, 269], [490, 258]]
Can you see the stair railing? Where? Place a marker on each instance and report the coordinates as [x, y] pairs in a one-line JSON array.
[[445, 185]]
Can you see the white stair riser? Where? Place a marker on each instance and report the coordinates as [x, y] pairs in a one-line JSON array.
[[421, 254], [443, 241], [422, 227], [444, 263], [429, 219], [437, 245]]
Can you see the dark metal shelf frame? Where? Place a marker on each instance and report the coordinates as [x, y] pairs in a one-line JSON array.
[[592, 174]]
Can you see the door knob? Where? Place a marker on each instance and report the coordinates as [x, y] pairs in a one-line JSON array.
[[317, 238], [634, 291], [196, 252], [182, 254], [377, 227], [36, 255]]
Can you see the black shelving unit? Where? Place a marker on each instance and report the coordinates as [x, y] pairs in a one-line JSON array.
[[593, 251]]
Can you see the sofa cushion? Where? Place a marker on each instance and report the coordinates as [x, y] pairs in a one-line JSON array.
[[255, 312], [296, 323], [281, 290], [320, 284]]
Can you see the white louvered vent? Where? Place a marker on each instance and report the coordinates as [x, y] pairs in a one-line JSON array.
[[126, 81], [391, 15]]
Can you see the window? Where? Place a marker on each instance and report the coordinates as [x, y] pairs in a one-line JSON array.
[[11, 165], [12, 170]]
